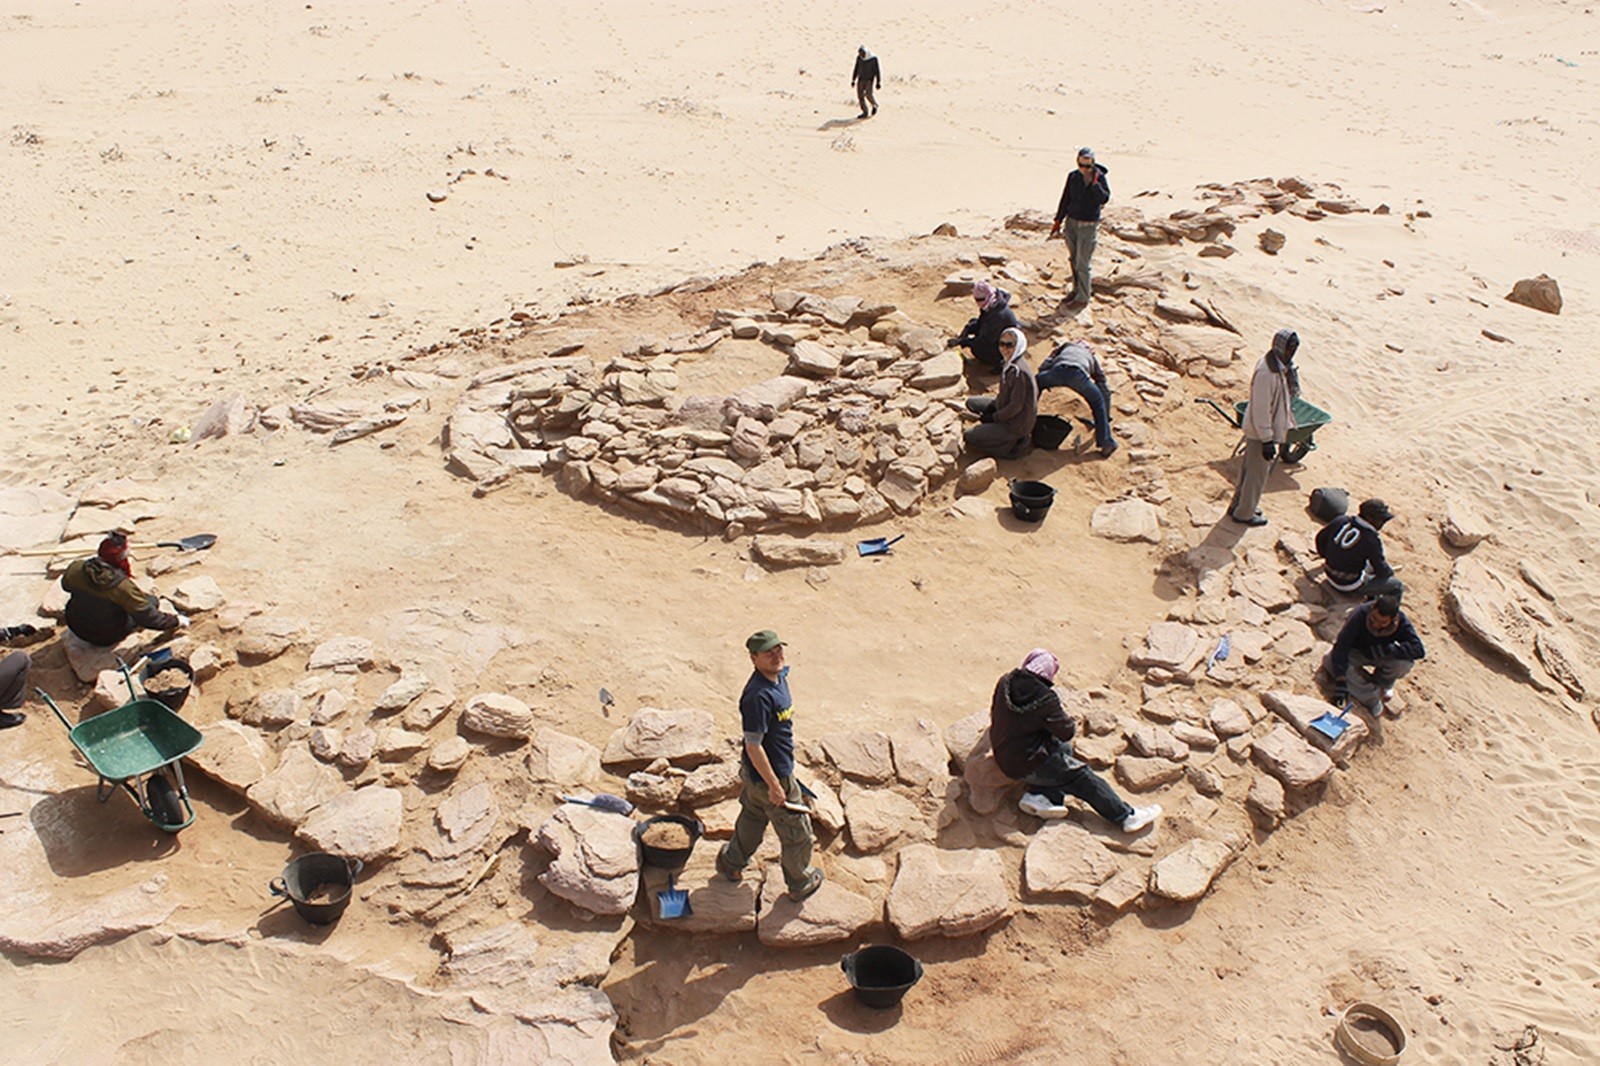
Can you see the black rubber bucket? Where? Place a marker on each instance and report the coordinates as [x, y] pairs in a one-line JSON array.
[[172, 696], [661, 857], [1031, 499], [319, 886], [881, 975]]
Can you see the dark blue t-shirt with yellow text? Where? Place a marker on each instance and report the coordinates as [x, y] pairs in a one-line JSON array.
[[765, 707]]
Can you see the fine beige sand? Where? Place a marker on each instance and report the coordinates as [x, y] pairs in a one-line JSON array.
[[205, 200]]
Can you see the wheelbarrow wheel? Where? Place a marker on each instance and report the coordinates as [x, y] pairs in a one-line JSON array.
[[1294, 453], [165, 806]]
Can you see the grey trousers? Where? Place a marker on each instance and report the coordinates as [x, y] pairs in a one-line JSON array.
[[14, 679], [1081, 238], [793, 829], [865, 98], [1367, 677], [1252, 482]]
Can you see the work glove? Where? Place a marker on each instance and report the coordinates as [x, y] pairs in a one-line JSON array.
[[12, 632], [183, 621], [1341, 695], [952, 342], [1269, 450]]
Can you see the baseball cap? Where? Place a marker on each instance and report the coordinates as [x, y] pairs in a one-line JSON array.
[[1375, 511], [763, 640]]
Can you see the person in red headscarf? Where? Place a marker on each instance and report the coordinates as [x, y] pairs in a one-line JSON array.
[[106, 603]]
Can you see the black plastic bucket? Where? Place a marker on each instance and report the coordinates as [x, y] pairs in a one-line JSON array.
[[881, 974], [667, 858], [319, 886], [172, 697], [1031, 499]]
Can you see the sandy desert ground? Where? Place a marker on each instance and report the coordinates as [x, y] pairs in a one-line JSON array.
[[213, 199]]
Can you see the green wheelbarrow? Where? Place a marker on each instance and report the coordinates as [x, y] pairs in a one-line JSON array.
[[1308, 418], [133, 746]]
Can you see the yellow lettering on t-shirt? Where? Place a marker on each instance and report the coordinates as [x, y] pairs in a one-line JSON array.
[[786, 714]]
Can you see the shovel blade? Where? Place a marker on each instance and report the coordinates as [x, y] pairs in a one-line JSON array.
[[672, 903], [1331, 726], [198, 542], [873, 547]]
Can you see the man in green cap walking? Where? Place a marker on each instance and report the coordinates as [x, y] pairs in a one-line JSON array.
[[770, 793]]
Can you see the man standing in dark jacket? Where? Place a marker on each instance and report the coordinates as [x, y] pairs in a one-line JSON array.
[[865, 77], [1352, 552], [982, 334], [1377, 647], [1086, 191], [1032, 740], [106, 603]]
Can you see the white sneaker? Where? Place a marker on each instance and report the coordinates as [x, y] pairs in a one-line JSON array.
[[1040, 807], [1141, 817]]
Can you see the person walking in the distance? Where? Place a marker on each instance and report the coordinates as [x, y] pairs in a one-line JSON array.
[[1086, 191], [770, 792], [1267, 421], [865, 78], [1031, 735]]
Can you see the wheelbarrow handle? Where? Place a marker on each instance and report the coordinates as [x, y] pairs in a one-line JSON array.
[[133, 693], [1236, 423], [52, 705]]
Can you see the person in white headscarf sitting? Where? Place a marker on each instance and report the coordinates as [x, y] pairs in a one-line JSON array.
[[1031, 735], [1005, 430]]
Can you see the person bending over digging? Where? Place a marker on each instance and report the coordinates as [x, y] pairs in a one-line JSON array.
[[770, 792], [106, 603], [1032, 739]]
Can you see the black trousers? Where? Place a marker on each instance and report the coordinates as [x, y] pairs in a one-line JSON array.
[[1063, 774]]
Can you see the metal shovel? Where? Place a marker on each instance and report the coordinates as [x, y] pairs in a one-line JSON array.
[[878, 545], [1332, 725], [197, 543], [603, 801]]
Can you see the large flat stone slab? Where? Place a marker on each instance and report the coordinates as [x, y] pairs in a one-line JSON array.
[[683, 737], [596, 864], [35, 925], [1064, 859], [1286, 756], [832, 914], [364, 824], [1187, 874], [947, 893]]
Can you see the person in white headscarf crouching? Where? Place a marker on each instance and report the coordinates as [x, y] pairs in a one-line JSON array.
[[1005, 428], [1031, 735]]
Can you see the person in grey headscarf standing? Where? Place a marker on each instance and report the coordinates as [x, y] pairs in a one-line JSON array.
[[1267, 421], [865, 78], [1087, 190]]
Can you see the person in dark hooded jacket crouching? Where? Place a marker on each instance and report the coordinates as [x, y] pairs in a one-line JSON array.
[[1031, 735], [106, 603]]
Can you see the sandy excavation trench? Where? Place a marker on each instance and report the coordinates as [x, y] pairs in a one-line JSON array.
[[457, 963]]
